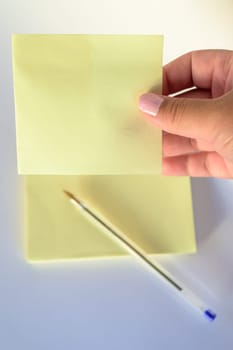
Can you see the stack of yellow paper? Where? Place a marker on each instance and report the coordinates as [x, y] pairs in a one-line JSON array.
[[79, 129]]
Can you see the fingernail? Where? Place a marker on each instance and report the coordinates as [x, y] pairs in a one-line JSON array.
[[150, 103]]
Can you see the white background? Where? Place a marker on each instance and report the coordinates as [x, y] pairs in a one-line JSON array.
[[114, 304]]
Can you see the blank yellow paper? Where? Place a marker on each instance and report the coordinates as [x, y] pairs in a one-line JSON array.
[[76, 103], [154, 211]]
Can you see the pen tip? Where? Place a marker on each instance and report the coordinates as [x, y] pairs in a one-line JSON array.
[[68, 194], [71, 196]]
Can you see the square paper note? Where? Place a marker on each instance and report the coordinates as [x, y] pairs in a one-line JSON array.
[[76, 103], [154, 211]]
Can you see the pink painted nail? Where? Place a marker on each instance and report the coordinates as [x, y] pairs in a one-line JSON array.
[[150, 103]]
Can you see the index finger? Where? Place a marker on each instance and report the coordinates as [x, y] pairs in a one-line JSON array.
[[194, 69]]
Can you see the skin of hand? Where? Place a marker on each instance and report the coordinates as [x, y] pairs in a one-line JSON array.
[[197, 123]]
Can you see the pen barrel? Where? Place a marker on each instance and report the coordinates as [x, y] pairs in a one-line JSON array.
[[193, 299], [126, 243]]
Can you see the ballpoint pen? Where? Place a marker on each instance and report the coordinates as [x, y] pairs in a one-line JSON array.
[[137, 251]]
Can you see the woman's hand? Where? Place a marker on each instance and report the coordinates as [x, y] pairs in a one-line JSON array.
[[198, 125]]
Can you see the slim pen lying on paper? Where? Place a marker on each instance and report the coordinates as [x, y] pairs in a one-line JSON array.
[[134, 249]]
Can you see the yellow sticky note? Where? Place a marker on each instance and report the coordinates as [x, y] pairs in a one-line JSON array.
[[76, 103], [154, 211]]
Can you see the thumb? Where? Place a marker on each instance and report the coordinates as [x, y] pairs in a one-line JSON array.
[[195, 118]]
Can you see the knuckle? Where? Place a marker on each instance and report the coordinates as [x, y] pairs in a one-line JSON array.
[[227, 146], [174, 112], [193, 144], [224, 128], [206, 165]]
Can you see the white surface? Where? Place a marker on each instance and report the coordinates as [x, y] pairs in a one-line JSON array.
[[114, 304]]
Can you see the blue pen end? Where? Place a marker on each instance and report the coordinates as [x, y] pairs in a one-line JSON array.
[[210, 315]]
